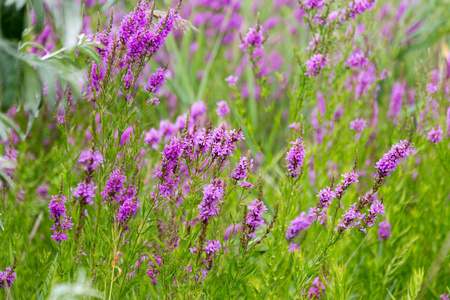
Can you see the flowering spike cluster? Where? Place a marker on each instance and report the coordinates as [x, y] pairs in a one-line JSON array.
[[62, 221], [232, 80], [354, 217], [85, 191], [212, 195], [7, 278], [212, 246], [153, 137], [295, 158], [315, 64], [302, 222], [242, 170], [253, 38], [393, 158], [293, 247], [310, 4], [316, 291], [209, 146], [127, 51], [221, 16], [358, 7], [384, 231], [152, 271], [91, 158], [222, 109], [398, 92], [357, 59], [253, 220], [349, 178], [113, 186], [129, 201], [358, 124], [435, 135], [156, 80], [326, 196]]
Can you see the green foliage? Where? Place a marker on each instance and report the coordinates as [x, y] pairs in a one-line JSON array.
[[414, 263]]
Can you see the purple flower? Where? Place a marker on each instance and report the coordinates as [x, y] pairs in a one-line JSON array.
[[351, 218], [433, 86], [358, 7], [445, 297], [295, 158], [253, 38], [376, 208], [198, 109], [91, 158], [435, 135], [326, 196], [232, 230], [349, 178], [313, 3], [384, 232], [317, 289], [232, 80], [56, 207], [212, 195], [358, 124], [61, 119], [153, 137], [365, 79], [253, 219], [156, 81], [398, 92], [302, 222], [338, 114], [212, 246], [129, 207], [125, 138], [42, 190], [242, 169], [62, 221], [152, 271], [7, 277], [85, 191], [222, 109], [293, 247], [295, 126], [315, 65], [154, 101], [245, 184], [393, 158], [357, 59], [113, 185], [167, 129]]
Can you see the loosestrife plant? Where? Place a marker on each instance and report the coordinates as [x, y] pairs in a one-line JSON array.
[[205, 151]]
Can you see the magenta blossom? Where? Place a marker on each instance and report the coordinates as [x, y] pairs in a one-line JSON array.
[[435, 135], [358, 124]]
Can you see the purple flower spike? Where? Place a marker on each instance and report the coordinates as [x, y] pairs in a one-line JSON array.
[[295, 158]]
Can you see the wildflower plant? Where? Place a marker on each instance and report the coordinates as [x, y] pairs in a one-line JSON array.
[[278, 149]]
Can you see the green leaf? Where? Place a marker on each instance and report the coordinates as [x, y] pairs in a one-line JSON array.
[[6, 123], [72, 22], [32, 91], [39, 14], [10, 78]]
